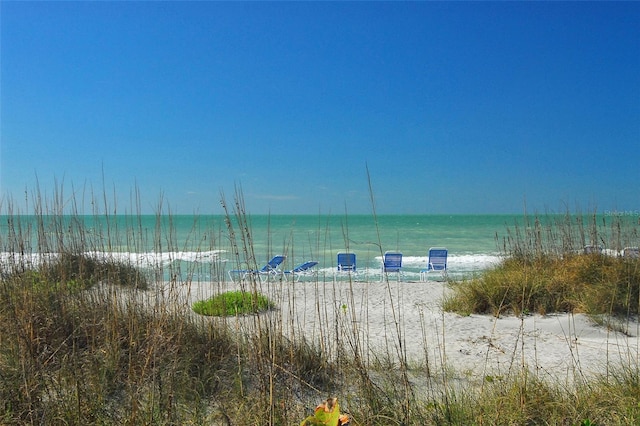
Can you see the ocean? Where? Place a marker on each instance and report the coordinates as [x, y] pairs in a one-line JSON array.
[[191, 243], [470, 239], [202, 247]]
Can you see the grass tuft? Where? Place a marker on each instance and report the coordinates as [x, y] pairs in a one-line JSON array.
[[233, 303]]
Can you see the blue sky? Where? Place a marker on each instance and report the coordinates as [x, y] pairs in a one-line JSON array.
[[453, 107]]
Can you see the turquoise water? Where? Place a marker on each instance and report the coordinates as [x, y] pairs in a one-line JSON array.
[[201, 246], [470, 239]]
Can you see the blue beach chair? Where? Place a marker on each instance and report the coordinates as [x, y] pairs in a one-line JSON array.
[[346, 264], [270, 269], [391, 262], [592, 249], [437, 263], [304, 269]]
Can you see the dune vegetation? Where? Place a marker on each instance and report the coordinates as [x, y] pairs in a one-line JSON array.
[[554, 268], [232, 303], [89, 339]]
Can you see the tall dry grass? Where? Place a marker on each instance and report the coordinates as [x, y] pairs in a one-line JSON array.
[[89, 339]]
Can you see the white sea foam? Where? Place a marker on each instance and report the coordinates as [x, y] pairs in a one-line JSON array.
[[141, 260], [151, 259], [456, 262]]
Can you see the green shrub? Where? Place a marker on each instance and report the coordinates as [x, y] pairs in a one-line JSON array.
[[592, 284], [233, 303]]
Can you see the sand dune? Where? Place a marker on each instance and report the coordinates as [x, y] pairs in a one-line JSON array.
[[404, 319]]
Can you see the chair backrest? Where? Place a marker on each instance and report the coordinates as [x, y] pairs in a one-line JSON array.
[[273, 263], [392, 262], [305, 266], [591, 249], [437, 259], [347, 262]]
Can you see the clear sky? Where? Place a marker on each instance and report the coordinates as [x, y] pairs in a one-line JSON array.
[[454, 107]]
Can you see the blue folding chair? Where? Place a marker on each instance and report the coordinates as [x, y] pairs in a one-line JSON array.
[[270, 269], [304, 269], [437, 263], [346, 264], [391, 262], [592, 249]]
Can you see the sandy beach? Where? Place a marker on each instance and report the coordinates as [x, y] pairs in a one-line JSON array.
[[388, 320]]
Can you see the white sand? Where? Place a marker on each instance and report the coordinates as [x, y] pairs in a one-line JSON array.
[[384, 320]]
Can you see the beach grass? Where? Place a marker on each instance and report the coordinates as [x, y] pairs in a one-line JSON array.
[[88, 340], [591, 284], [545, 273]]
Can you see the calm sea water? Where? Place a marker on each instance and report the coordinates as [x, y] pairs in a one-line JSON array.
[[201, 246]]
